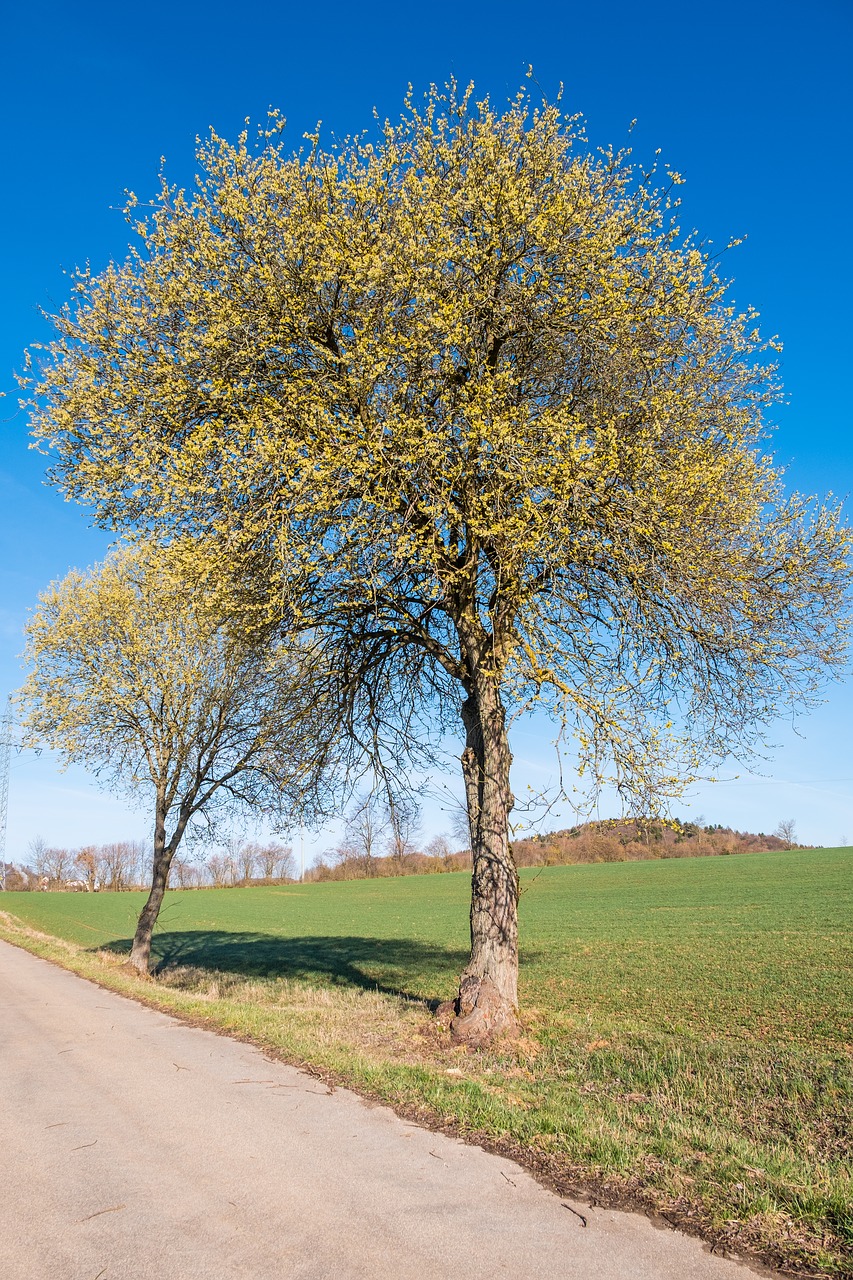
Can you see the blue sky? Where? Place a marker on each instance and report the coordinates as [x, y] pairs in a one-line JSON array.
[[751, 102]]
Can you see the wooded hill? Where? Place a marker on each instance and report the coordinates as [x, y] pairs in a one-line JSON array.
[[604, 841]]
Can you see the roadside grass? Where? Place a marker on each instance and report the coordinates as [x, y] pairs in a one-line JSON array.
[[688, 1038]]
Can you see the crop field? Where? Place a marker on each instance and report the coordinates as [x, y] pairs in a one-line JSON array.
[[688, 1023]]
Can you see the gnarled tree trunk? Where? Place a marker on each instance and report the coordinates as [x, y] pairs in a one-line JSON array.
[[488, 990]]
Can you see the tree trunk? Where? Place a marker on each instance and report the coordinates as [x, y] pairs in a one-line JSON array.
[[140, 953], [488, 990]]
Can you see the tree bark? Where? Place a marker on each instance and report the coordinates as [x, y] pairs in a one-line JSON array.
[[488, 990]]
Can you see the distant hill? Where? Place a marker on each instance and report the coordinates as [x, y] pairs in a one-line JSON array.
[[605, 841], [627, 841]]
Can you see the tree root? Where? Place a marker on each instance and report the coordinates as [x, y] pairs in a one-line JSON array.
[[479, 1014]]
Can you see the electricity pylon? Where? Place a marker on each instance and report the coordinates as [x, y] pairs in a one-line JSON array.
[[6, 723]]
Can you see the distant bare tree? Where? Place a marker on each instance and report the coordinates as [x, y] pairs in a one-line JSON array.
[[120, 864], [365, 828], [787, 832], [219, 870], [460, 827], [233, 847], [55, 864], [697, 830], [320, 865], [343, 854], [439, 847], [245, 859], [275, 861], [403, 818], [37, 848], [187, 871]]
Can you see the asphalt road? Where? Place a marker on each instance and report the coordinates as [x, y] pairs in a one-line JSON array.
[[133, 1147]]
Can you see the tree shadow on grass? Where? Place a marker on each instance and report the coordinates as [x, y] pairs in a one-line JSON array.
[[389, 965]]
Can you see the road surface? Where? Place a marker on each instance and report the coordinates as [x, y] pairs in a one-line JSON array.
[[134, 1147]]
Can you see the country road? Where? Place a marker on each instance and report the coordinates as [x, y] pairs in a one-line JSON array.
[[134, 1147]]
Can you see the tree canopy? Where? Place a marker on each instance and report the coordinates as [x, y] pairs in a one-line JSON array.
[[132, 677], [463, 401]]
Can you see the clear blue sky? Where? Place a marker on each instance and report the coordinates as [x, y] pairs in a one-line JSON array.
[[750, 101]]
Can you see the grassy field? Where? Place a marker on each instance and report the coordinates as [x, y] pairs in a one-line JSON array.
[[688, 1023]]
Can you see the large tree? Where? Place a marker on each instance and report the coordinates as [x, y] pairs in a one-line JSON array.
[[132, 677], [462, 400]]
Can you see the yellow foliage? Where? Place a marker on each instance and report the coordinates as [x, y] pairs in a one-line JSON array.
[[463, 392], [131, 676]]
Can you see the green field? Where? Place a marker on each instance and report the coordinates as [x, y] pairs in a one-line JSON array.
[[688, 1023]]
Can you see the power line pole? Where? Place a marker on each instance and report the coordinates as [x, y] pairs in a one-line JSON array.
[[6, 723]]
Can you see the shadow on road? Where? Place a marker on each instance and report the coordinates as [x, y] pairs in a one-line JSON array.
[[390, 965]]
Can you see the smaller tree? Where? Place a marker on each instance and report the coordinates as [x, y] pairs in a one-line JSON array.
[[345, 858], [36, 849], [275, 861], [187, 871], [219, 869], [403, 820], [787, 832], [242, 855], [131, 676], [439, 847], [366, 826], [54, 864], [120, 864], [87, 864]]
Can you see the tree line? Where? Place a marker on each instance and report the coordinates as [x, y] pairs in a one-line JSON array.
[[123, 865]]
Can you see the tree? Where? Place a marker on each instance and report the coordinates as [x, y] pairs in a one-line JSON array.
[[439, 847], [403, 816], [131, 677], [220, 870], [120, 864], [187, 871], [37, 848], [365, 828], [88, 863], [246, 861], [240, 856], [51, 863], [463, 403], [275, 861], [787, 832]]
